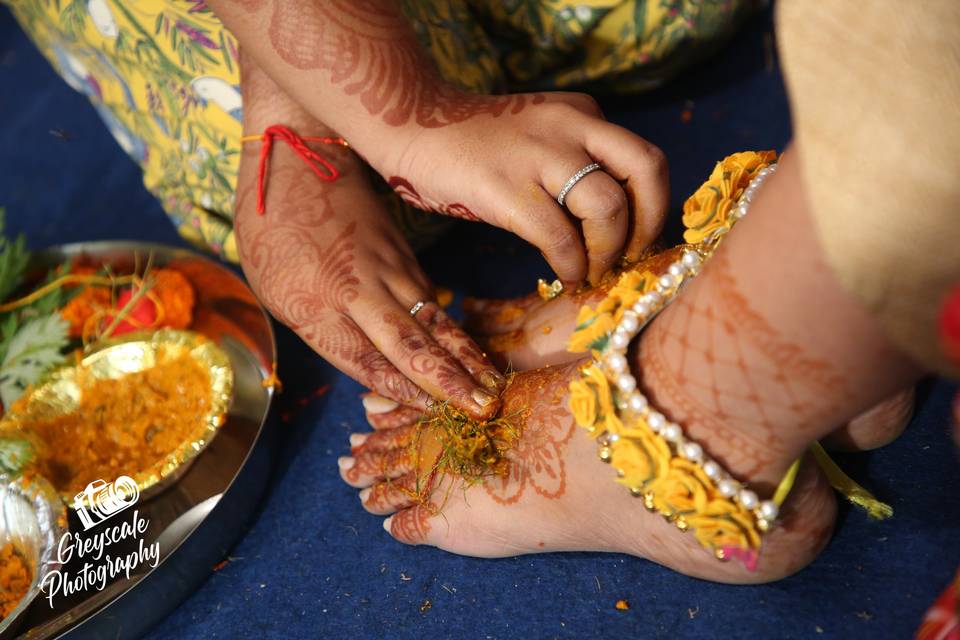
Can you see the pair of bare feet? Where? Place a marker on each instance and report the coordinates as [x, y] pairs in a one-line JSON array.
[[559, 497]]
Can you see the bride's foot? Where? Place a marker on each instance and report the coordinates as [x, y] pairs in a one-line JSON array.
[[529, 332], [558, 496], [877, 427]]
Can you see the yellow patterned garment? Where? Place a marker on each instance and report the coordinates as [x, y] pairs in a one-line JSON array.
[[164, 77]]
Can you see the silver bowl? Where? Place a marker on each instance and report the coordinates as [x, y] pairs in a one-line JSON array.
[[33, 518]]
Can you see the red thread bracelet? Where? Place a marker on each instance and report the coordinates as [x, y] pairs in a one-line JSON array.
[[317, 163]]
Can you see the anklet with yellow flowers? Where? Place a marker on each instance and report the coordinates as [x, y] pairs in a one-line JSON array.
[[653, 457]]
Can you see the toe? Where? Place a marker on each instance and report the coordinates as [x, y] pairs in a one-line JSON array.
[[411, 526], [399, 417], [367, 466], [383, 440], [876, 427], [375, 403], [389, 496], [383, 413]]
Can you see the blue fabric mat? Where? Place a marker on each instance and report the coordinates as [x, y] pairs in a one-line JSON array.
[[314, 564]]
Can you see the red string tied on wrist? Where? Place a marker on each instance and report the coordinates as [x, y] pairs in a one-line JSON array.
[[322, 167]]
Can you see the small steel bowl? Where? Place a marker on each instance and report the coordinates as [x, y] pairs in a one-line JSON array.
[[33, 518], [62, 392]]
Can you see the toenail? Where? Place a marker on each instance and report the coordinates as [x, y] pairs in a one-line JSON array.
[[386, 524], [346, 462], [493, 380], [378, 404], [365, 494], [482, 398], [357, 439]]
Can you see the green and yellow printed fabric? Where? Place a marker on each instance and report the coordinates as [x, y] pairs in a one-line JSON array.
[[163, 74]]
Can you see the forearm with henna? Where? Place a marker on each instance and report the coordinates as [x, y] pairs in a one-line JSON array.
[[355, 64], [298, 259], [328, 260]]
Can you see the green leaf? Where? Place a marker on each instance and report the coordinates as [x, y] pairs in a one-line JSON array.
[[16, 454], [54, 300], [13, 260], [32, 352], [8, 328]]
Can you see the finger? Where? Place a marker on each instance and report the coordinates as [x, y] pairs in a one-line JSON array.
[[418, 356], [542, 223], [349, 349], [387, 497], [368, 467], [449, 335], [455, 340], [600, 203], [642, 170], [489, 317], [384, 440]]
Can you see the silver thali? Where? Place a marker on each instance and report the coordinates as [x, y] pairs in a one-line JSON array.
[[195, 521]]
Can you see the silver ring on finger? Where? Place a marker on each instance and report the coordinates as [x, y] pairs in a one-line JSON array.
[[574, 179], [415, 309]]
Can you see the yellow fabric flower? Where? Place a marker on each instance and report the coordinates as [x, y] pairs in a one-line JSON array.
[[709, 208], [682, 490], [628, 290], [724, 523], [592, 328], [641, 456], [583, 403], [591, 401]]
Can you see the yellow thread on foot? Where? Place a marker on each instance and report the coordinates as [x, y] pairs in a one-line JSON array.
[[845, 485]]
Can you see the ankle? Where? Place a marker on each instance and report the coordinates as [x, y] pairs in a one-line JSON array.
[[747, 448]]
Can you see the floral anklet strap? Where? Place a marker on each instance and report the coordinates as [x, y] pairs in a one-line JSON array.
[[653, 457], [322, 167]]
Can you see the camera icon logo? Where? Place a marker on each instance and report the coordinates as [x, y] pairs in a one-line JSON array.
[[102, 500]]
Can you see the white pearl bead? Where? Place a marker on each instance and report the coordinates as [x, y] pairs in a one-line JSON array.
[[769, 510], [672, 432], [676, 270], [642, 309], [740, 211], [749, 499], [666, 282], [656, 421], [692, 451], [629, 322], [712, 469], [626, 383], [637, 402], [617, 362], [619, 340], [652, 298], [728, 488], [690, 259]]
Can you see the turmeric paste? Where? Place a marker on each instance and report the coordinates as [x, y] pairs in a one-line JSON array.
[[123, 426], [15, 578]]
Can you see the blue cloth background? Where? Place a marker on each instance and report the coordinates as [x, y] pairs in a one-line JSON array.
[[314, 564]]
